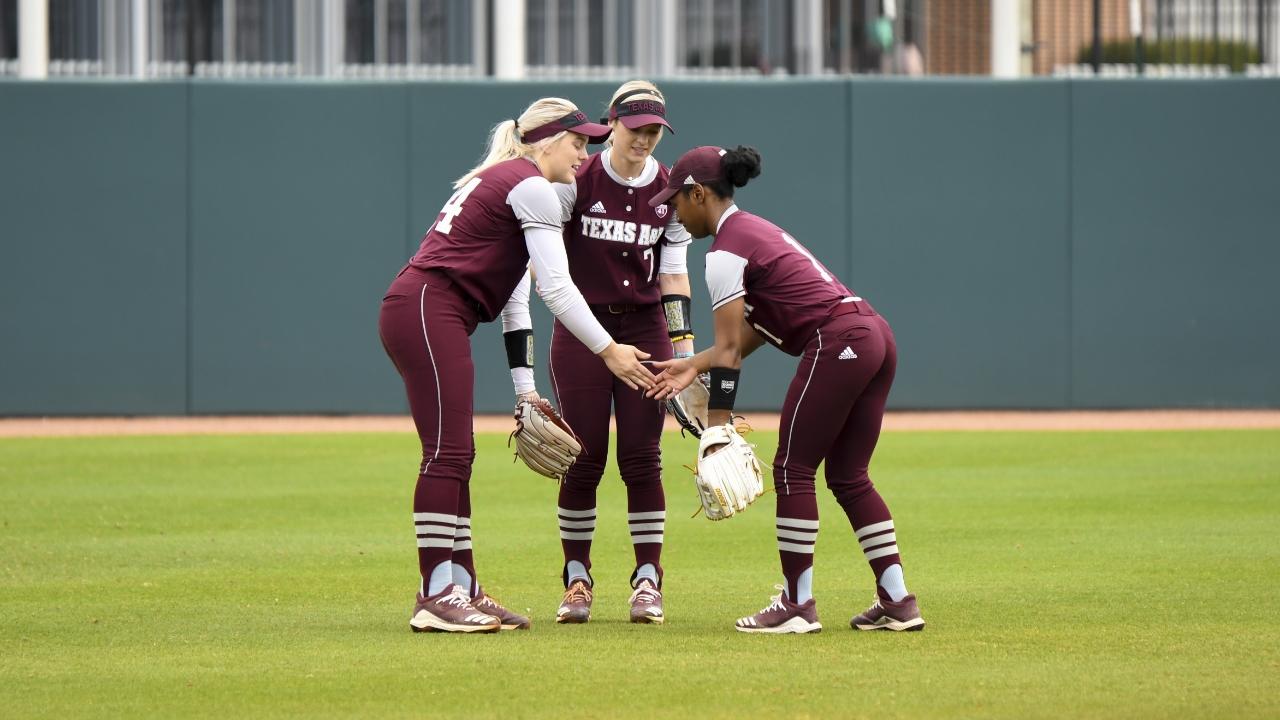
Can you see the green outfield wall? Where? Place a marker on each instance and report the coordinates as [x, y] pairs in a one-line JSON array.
[[216, 247]]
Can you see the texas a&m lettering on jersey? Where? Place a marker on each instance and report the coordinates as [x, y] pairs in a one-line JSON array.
[[614, 240], [478, 237], [620, 231], [788, 293]]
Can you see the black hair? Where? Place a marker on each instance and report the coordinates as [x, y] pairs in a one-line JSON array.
[[739, 165]]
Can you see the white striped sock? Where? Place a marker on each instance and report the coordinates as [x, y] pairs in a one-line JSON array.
[[647, 527], [577, 524], [435, 530], [797, 536]]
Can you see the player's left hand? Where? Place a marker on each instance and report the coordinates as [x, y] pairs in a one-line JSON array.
[[532, 396], [676, 375]]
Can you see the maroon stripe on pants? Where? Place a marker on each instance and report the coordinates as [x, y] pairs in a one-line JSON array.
[[426, 330], [833, 412], [585, 392]]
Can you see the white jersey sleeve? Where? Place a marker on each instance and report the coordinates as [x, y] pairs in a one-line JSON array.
[[725, 277], [535, 204], [563, 299], [568, 195]]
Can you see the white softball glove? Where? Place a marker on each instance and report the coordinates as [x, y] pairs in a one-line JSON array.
[[730, 478], [543, 440], [689, 407]]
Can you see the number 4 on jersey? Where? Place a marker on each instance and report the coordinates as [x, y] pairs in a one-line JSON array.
[[454, 206]]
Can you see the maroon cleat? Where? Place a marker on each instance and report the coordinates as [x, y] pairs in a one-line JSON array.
[[646, 603], [576, 607], [889, 615], [450, 611], [783, 616], [489, 605]]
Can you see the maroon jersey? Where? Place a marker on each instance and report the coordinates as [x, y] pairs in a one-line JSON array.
[[478, 238], [613, 238], [789, 294]]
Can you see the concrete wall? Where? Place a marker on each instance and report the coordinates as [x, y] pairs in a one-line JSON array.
[[213, 247]]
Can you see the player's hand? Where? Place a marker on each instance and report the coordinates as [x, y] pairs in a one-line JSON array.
[[532, 396], [624, 361], [676, 375]]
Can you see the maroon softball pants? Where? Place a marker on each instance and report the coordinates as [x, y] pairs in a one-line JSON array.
[[426, 324], [586, 391], [833, 412]]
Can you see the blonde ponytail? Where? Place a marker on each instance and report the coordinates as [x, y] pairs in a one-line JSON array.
[[505, 138]]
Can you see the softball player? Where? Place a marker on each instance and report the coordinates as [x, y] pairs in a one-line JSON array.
[[766, 287], [473, 260], [628, 258]]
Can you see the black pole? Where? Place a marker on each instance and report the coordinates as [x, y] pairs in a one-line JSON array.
[[1141, 70], [1097, 36]]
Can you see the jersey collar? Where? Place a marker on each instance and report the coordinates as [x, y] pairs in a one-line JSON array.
[[646, 176], [731, 210]]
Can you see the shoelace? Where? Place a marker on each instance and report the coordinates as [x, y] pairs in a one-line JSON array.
[[646, 592], [456, 598], [776, 600], [578, 592]]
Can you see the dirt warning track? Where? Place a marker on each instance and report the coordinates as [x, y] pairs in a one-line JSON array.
[[893, 422]]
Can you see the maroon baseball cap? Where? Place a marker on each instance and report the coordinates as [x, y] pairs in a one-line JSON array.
[[699, 165], [575, 121], [638, 113]]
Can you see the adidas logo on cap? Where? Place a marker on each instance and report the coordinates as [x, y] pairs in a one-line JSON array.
[[597, 208], [690, 181]]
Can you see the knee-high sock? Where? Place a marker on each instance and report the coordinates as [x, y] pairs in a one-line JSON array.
[[797, 528], [435, 520], [464, 569], [647, 517], [873, 526], [577, 515]]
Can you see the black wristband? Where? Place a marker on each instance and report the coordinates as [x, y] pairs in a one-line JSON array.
[[724, 388], [519, 348], [679, 312]]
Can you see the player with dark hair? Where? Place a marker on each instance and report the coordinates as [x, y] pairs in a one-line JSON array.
[[766, 287], [628, 258], [473, 261]]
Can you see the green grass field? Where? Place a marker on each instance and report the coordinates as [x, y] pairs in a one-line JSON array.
[[1061, 574]]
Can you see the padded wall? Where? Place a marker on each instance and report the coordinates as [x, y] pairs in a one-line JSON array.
[[297, 224], [960, 237], [222, 247], [1176, 234], [93, 237]]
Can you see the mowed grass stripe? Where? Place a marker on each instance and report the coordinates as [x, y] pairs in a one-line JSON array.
[[1062, 575]]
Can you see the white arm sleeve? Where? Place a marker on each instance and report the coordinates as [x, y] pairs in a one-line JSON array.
[[568, 195], [535, 204], [673, 260], [515, 316], [676, 234], [551, 265], [725, 273]]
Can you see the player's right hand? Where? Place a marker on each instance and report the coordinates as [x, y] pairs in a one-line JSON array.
[[676, 375], [624, 361]]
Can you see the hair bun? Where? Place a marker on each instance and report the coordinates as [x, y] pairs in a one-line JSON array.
[[740, 165]]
